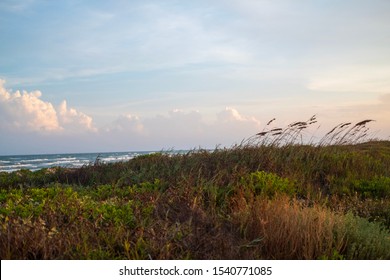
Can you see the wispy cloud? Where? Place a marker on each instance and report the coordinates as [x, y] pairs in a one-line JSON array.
[[15, 5], [372, 79], [90, 41]]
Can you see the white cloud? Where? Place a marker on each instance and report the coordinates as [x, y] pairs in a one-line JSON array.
[[127, 123], [26, 111], [232, 115], [22, 113], [233, 127], [180, 129], [71, 119]]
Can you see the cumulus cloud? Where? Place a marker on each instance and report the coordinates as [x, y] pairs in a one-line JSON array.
[[181, 129], [26, 111], [232, 127], [71, 119], [232, 115], [175, 129], [127, 123]]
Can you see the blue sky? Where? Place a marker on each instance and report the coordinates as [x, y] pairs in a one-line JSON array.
[[149, 75]]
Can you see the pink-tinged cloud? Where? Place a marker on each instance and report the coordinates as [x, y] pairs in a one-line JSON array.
[[180, 129], [26, 111], [71, 119]]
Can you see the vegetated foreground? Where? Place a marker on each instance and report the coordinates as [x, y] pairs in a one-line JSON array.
[[247, 202]]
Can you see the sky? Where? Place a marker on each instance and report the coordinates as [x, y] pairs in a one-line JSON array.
[[95, 76]]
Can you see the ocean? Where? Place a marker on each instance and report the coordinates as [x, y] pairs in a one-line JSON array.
[[36, 162]]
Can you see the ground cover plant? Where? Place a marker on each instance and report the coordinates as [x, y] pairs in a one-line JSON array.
[[271, 197]]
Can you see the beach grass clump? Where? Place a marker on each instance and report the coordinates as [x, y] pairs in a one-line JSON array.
[[283, 229]]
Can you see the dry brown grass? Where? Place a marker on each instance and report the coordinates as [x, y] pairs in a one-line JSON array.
[[283, 228]]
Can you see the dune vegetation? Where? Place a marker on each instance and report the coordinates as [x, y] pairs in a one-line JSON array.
[[270, 197]]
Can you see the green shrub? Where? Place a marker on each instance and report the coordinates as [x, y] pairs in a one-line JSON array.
[[378, 187], [156, 185], [365, 240], [268, 184], [121, 214]]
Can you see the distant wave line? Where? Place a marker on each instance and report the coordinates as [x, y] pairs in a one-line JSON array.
[[36, 162]]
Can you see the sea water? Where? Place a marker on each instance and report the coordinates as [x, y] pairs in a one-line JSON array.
[[36, 162]]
